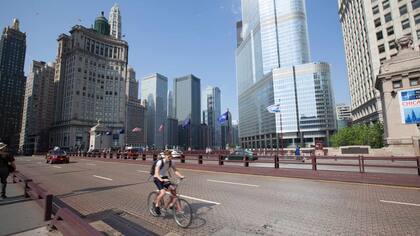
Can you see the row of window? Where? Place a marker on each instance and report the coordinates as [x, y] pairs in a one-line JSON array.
[[398, 83], [403, 9]]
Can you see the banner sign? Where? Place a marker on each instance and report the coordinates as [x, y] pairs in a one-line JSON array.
[[410, 106]]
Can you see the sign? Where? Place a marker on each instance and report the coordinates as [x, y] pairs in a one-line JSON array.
[[410, 106]]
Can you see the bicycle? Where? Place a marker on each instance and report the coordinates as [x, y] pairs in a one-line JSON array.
[[182, 216]]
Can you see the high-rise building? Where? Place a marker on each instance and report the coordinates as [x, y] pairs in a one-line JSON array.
[[132, 84], [213, 112], [227, 132], [171, 109], [154, 89], [38, 109], [12, 83], [90, 83], [136, 112], [235, 133], [370, 29], [188, 106], [115, 21], [343, 113], [273, 66]]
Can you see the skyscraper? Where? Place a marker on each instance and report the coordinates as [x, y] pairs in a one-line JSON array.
[[115, 21], [154, 89], [38, 108], [370, 29], [136, 112], [187, 91], [12, 83], [90, 83], [273, 66], [213, 112]]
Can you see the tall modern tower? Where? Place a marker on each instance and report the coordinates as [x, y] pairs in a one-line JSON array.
[[115, 21], [273, 66], [38, 108], [213, 112], [154, 89], [370, 29], [12, 84], [90, 83], [187, 91]]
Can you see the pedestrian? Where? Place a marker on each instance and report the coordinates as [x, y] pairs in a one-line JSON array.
[[297, 153], [7, 165]]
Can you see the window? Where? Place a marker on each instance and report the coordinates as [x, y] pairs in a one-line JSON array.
[[379, 35], [415, 4], [417, 19], [377, 22], [388, 17], [418, 34], [403, 10], [390, 31], [381, 48], [375, 10], [396, 84], [385, 4], [414, 81], [392, 45], [405, 24]]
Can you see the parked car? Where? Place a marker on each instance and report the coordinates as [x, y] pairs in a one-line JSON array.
[[57, 156], [239, 155]]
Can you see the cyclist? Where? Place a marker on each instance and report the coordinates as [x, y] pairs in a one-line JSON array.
[[162, 182]]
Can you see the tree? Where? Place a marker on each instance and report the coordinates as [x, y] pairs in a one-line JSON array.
[[371, 135]]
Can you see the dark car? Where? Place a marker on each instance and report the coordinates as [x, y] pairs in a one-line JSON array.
[[57, 156], [239, 155]]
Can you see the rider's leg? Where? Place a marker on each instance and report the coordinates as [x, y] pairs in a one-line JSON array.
[[159, 197]]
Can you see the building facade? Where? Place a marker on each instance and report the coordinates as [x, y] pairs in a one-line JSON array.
[[273, 66], [343, 113], [90, 83], [370, 29], [213, 112], [188, 106], [12, 84], [115, 21], [38, 109], [154, 89], [226, 129], [136, 123]]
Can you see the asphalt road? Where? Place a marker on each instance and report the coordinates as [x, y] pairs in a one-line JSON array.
[[233, 204]]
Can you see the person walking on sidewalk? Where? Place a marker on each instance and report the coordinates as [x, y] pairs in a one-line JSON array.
[[7, 165]]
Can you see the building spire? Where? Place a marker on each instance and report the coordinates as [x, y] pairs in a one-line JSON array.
[[115, 21], [15, 24]]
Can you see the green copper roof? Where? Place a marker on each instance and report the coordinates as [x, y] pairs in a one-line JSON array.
[[101, 25]]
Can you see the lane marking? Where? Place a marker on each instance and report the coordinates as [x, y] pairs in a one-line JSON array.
[[101, 177], [57, 167], [400, 203], [201, 200], [90, 164], [143, 171], [225, 182], [39, 162]]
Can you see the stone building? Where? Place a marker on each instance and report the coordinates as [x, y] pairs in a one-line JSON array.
[[399, 85]]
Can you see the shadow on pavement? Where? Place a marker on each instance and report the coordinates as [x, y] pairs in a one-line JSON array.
[[13, 200], [98, 189]]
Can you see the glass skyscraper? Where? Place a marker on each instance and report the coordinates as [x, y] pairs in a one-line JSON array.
[[273, 66]]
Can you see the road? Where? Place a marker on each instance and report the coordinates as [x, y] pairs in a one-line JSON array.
[[234, 204]]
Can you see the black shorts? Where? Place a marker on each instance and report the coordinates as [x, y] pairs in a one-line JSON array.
[[161, 185]]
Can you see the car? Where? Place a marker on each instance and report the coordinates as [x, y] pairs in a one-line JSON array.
[[239, 155], [57, 156]]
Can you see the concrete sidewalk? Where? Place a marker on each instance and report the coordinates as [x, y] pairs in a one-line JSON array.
[[20, 215]]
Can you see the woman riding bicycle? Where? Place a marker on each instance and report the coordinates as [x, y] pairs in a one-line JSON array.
[[162, 182]]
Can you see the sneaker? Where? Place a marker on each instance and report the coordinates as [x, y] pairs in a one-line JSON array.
[[157, 210]]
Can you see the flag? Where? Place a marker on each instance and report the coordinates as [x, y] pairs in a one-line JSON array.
[[137, 129], [161, 127], [186, 123], [275, 108], [224, 117], [121, 131]]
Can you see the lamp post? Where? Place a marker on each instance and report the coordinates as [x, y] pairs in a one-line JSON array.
[[275, 108]]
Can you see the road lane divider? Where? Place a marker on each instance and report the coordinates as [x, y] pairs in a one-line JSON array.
[[91, 164], [57, 167], [400, 203], [200, 200], [143, 171], [101, 177], [224, 182]]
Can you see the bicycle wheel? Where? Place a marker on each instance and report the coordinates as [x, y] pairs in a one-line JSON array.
[[151, 203], [183, 217]]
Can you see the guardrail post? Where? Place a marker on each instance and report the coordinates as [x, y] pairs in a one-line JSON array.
[[220, 160], [276, 162], [200, 159], [314, 167], [182, 158], [363, 164], [246, 162], [48, 207], [418, 166]]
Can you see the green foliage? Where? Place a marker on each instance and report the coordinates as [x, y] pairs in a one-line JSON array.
[[371, 135]]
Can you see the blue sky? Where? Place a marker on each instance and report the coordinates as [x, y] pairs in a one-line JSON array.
[[175, 38]]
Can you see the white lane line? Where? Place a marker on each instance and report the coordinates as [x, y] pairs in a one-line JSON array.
[[198, 199], [39, 162], [57, 167], [224, 182], [143, 171], [90, 164], [400, 203], [101, 177]]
